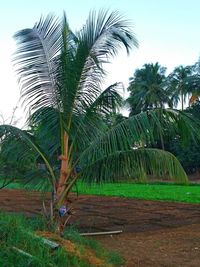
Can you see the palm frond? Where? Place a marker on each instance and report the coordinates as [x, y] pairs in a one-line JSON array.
[[36, 62], [93, 121], [45, 127], [59, 69], [100, 38], [108, 101], [141, 130], [136, 164], [23, 148]]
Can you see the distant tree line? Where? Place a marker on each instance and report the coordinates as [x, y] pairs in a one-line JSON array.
[[151, 88]]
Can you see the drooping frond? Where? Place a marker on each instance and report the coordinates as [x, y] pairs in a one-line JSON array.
[[45, 126], [15, 159], [140, 130], [136, 164], [19, 147]]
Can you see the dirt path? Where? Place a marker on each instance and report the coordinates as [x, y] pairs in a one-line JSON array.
[[175, 247], [154, 233]]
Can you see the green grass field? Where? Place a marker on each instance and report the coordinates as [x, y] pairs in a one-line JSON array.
[[163, 192]]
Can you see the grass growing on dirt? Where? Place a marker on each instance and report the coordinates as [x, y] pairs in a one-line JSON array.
[[112, 257], [17, 233], [169, 192]]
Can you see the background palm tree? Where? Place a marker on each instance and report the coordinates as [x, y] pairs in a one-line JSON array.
[[148, 89], [180, 84], [60, 75], [194, 83]]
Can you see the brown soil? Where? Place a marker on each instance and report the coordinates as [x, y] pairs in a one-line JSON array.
[[154, 233]]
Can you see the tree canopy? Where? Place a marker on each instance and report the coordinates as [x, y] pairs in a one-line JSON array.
[[148, 89]]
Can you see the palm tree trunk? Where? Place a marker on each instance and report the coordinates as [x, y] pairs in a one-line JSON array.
[[62, 184], [162, 142], [182, 101], [64, 166]]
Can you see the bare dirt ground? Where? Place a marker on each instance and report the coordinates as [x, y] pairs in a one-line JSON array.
[[154, 233]]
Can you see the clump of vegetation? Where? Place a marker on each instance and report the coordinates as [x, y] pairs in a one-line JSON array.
[[20, 246]]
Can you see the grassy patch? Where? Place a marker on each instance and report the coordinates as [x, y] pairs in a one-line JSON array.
[[169, 192], [16, 231], [110, 256], [12, 185]]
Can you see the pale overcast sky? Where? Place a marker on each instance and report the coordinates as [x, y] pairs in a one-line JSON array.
[[167, 31]]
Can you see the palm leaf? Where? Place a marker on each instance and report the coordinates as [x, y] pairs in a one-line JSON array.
[[93, 121], [99, 39], [62, 70], [108, 101], [140, 130], [136, 164], [26, 146], [36, 62]]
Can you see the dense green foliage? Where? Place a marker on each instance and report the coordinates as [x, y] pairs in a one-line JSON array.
[[188, 155], [148, 89]]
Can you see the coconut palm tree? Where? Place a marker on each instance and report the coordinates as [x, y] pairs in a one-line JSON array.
[[180, 84], [60, 74], [194, 83], [148, 89]]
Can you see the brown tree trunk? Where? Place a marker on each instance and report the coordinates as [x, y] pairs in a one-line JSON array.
[[62, 184], [62, 204], [182, 101], [64, 167]]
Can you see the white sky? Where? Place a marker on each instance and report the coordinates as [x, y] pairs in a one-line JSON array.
[[167, 31]]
